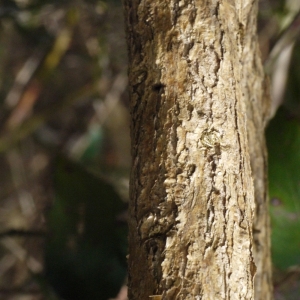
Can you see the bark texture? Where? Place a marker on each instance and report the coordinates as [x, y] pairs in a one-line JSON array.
[[258, 111], [256, 91], [261, 226], [192, 71]]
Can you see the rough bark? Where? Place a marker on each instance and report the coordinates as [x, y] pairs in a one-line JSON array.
[[258, 110], [256, 91], [191, 67], [263, 285]]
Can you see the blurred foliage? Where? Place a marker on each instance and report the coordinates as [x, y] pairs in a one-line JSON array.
[[292, 92], [85, 256], [284, 181], [63, 114], [283, 140], [64, 147]]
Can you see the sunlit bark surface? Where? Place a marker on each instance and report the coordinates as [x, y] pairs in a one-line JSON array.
[[195, 78]]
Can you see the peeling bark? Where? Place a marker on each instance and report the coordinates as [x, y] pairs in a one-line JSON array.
[[191, 74]]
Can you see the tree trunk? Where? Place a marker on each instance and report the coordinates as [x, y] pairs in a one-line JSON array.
[[195, 78], [258, 109], [257, 98], [256, 121]]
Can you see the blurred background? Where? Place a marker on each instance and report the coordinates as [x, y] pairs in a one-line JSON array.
[[65, 147]]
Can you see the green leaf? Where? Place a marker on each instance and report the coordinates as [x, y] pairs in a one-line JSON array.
[[283, 139], [85, 256]]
